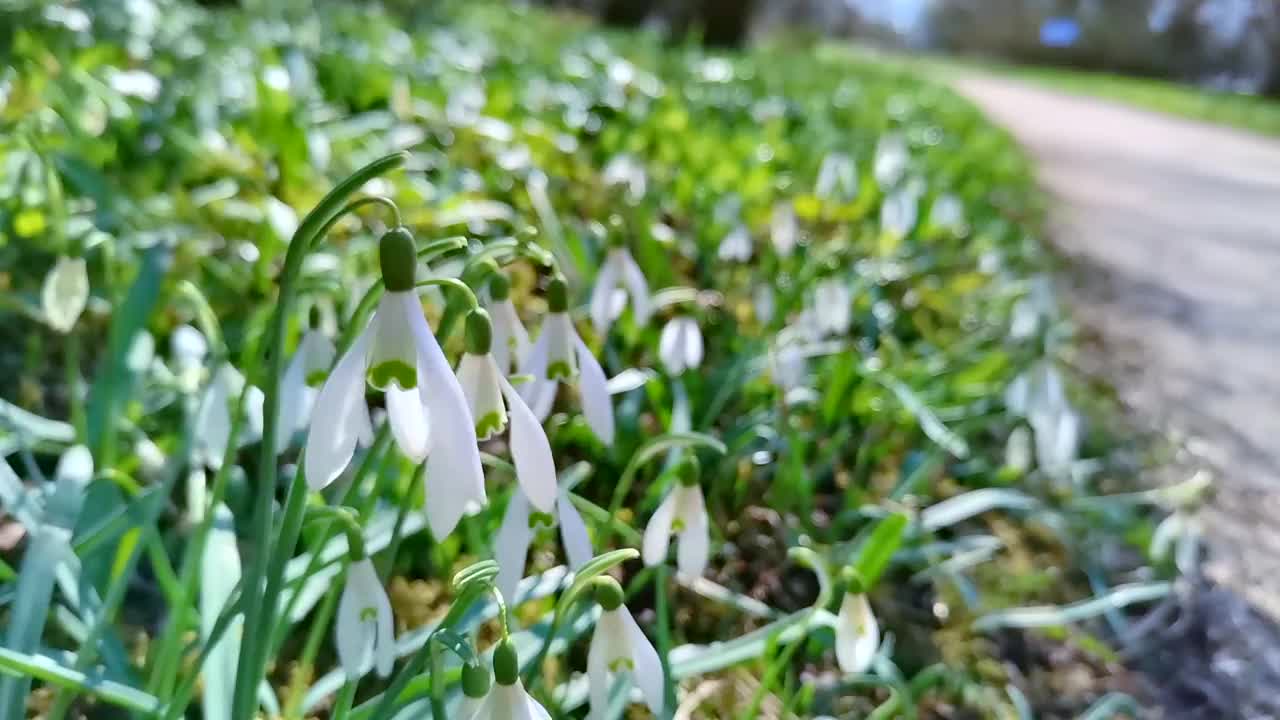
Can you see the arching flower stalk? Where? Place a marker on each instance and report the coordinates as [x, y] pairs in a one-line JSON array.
[[494, 404], [620, 271], [680, 346], [559, 355], [683, 513], [619, 645], [506, 699], [520, 522], [426, 407]]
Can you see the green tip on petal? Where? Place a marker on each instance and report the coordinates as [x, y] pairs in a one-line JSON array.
[[315, 378], [853, 582], [539, 519], [506, 664], [398, 257], [608, 593], [475, 681], [559, 370], [479, 332], [490, 425], [393, 372], [557, 294]]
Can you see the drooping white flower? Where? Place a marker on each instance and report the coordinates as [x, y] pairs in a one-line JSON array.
[[619, 271], [857, 633], [365, 631], [188, 348], [683, 512], [890, 160], [1033, 311], [506, 699], [784, 229], [519, 523], [213, 416], [762, 302], [833, 303], [736, 246], [71, 478], [619, 645], [492, 401], [65, 293], [560, 354], [837, 178], [298, 388], [1017, 450], [787, 365], [680, 347], [426, 408], [898, 212], [510, 338], [1057, 440], [947, 214], [626, 171], [510, 702]]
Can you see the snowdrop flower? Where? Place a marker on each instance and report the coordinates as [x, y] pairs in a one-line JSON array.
[[762, 303], [506, 699], [620, 269], [426, 407], [837, 178], [833, 303], [947, 214], [1017, 450], [1057, 440], [188, 347], [619, 645], [1033, 311], [736, 246], [898, 212], [71, 478], [65, 293], [857, 632], [890, 160], [510, 338], [624, 170], [489, 396], [519, 522], [683, 512], [365, 631], [213, 416], [559, 354], [784, 229], [787, 365], [680, 347], [310, 362]]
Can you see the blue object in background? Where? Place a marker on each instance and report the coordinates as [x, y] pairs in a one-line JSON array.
[[1059, 32]]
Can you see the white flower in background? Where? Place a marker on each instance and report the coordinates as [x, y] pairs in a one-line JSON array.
[[680, 347], [837, 178], [426, 407], [762, 303], [1017, 450], [65, 293], [1057, 436], [619, 645], [213, 416], [188, 347], [787, 365], [365, 629], [833, 303], [620, 270], [624, 170], [299, 386], [890, 160], [898, 212], [510, 338], [71, 479], [947, 214], [728, 209], [857, 633], [559, 354], [490, 396], [683, 512], [736, 246], [1033, 311], [784, 229], [519, 522], [506, 699]]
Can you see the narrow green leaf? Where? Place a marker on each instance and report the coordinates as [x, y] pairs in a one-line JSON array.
[[875, 554], [43, 668]]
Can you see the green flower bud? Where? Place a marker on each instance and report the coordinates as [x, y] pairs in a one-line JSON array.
[[499, 286], [689, 471], [479, 332], [475, 681], [506, 664], [399, 260], [608, 593], [558, 294], [853, 583]]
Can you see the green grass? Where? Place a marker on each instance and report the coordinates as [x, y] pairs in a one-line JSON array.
[[177, 159]]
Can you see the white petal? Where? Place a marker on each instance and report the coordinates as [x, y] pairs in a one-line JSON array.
[[598, 674], [657, 534], [573, 533], [454, 477], [75, 466], [857, 634], [409, 424], [393, 329], [692, 344], [637, 287], [511, 546], [479, 377], [539, 393], [530, 451], [534, 708], [601, 294], [213, 422], [596, 404], [694, 546], [648, 668], [65, 293], [671, 347], [340, 418], [560, 334], [510, 338], [353, 638], [293, 399], [385, 646]]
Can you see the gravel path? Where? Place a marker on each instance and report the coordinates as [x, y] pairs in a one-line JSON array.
[[1173, 229]]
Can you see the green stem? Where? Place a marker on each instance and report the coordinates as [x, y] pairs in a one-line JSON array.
[[72, 361], [661, 587], [267, 561], [307, 660], [453, 284], [342, 706]]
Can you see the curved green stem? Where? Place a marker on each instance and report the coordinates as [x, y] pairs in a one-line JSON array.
[[453, 284]]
